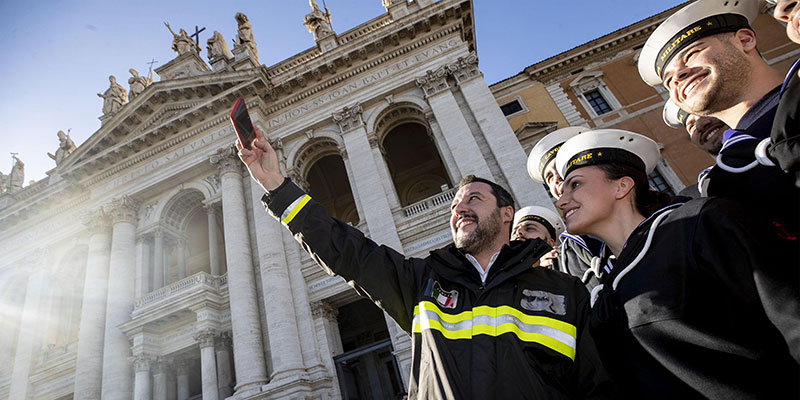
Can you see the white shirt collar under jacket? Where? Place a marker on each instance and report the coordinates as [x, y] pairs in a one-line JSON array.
[[477, 265]]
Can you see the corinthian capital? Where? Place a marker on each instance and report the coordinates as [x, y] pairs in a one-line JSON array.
[[226, 160], [142, 362], [97, 222], [349, 118], [434, 81], [123, 209], [465, 68], [205, 337]]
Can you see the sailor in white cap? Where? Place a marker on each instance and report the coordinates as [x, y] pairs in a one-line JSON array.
[[576, 252], [536, 222], [696, 299], [541, 160], [705, 55], [705, 132]]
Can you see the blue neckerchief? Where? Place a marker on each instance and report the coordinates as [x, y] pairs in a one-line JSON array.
[[792, 71]]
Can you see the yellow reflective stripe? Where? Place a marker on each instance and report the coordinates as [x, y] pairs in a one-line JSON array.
[[295, 208], [557, 335], [525, 318]]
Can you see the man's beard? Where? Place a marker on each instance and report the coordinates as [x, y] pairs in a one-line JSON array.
[[732, 75], [482, 237]]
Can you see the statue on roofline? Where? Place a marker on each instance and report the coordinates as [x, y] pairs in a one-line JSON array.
[[138, 83], [65, 147], [113, 97], [244, 37], [181, 42]]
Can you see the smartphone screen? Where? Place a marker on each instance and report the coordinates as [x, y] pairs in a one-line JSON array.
[[242, 124]]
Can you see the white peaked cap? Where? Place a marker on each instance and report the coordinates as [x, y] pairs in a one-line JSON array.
[[603, 146], [541, 215], [546, 149], [697, 20]]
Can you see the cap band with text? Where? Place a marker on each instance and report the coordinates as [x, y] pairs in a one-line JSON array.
[[708, 26]]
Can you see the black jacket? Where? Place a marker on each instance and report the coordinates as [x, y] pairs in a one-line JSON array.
[[785, 136], [521, 335], [711, 310], [766, 190]]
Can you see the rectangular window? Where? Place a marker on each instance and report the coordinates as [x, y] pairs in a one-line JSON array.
[[658, 183], [597, 101], [511, 108]]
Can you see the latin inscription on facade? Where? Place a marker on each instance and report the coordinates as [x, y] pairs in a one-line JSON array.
[[369, 79]]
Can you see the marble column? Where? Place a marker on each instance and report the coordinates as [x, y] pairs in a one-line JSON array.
[[208, 364], [456, 131], [172, 386], [160, 380], [378, 214], [224, 373], [182, 371], [248, 346], [143, 265], [88, 364], [326, 324], [501, 139], [31, 327], [180, 247], [142, 383], [213, 239], [158, 259], [284, 336], [117, 372]]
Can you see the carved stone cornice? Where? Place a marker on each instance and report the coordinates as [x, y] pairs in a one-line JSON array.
[[465, 68], [226, 160], [124, 209], [434, 81], [323, 309], [349, 118], [205, 338]]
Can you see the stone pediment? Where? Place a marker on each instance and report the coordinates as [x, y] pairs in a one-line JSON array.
[[164, 110]]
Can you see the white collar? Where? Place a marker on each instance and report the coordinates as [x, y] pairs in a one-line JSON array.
[[478, 267]]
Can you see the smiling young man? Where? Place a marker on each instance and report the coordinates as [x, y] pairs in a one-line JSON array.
[[483, 323], [705, 55]]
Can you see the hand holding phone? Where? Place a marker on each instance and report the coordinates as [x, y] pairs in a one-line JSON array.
[[240, 119]]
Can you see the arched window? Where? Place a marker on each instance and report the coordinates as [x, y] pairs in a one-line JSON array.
[[414, 163], [328, 184]]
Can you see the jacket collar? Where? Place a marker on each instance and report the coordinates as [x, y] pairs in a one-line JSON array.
[[513, 259]]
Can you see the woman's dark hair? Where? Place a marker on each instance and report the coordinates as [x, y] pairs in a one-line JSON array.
[[646, 200]]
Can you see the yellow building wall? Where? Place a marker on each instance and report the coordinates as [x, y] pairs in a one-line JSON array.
[[541, 107]]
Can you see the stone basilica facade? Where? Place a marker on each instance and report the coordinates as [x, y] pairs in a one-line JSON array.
[[145, 267]]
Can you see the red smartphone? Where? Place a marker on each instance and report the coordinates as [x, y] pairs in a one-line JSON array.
[[242, 124]]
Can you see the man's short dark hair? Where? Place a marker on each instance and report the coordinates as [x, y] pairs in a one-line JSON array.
[[500, 193]]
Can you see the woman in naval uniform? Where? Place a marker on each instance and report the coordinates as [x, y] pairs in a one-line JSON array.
[[697, 299]]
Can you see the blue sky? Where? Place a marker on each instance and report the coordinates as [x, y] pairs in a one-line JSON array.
[[59, 54]]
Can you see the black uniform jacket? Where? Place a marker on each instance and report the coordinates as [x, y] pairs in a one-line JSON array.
[[785, 136], [710, 310], [522, 335], [767, 190]]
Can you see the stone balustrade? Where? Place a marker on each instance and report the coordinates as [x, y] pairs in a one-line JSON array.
[[191, 283], [431, 203]]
